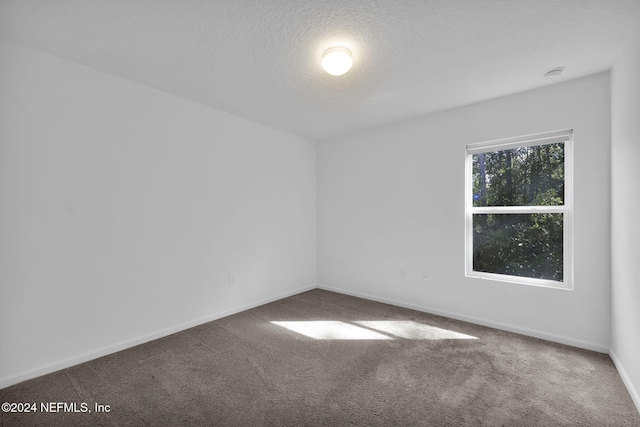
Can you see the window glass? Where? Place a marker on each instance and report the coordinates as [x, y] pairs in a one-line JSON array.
[[526, 245], [524, 176]]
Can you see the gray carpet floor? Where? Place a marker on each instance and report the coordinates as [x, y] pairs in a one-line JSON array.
[[336, 360]]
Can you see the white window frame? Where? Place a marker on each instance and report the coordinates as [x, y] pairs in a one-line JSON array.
[[544, 138]]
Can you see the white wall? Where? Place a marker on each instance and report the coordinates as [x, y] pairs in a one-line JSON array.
[[123, 209], [625, 209], [393, 198]]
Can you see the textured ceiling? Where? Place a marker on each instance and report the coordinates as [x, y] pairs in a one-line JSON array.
[[260, 59]]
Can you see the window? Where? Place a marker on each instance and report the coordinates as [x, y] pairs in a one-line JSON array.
[[518, 210]]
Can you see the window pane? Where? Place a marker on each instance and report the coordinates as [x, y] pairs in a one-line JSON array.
[[526, 245], [525, 176]]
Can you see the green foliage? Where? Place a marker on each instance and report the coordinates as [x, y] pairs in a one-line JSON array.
[[518, 177], [526, 245]]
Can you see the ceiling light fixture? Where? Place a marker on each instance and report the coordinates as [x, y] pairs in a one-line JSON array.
[[337, 60]]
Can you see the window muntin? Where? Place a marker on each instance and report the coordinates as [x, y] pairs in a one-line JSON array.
[[518, 210]]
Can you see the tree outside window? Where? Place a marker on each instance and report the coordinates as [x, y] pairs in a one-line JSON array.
[[518, 215]]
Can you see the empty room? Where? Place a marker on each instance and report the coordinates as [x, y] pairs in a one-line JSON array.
[[288, 212]]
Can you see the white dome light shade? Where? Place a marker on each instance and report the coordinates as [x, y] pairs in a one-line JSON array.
[[337, 61]]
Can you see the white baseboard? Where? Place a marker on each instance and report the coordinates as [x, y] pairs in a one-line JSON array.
[[635, 396], [478, 321], [94, 354]]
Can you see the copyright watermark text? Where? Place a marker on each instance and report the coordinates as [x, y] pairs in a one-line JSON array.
[[53, 407]]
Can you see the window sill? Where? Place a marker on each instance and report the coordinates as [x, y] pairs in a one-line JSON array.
[[521, 280]]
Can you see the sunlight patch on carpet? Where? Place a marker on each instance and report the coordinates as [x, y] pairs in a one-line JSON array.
[[413, 330], [371, 330], [332, 330]]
